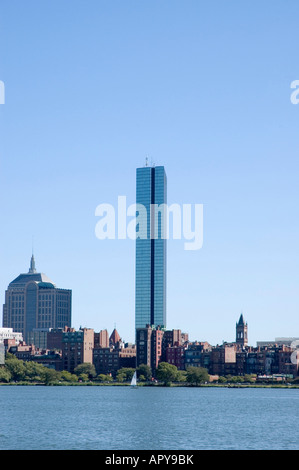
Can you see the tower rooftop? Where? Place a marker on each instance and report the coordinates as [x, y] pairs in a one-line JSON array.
[[32, 275]]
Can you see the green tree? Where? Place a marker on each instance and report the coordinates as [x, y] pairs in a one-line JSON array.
[[86, 368], [10, 356], [166, 373], [125, 374], [250, 378], [50, 376], [197, 375], [104, 378], [16, 368], [222, 380], [68, 377], [145, 371], [34, 372], [236, 379], [120, 376], [83, 377], [5, 375], [182, 376]]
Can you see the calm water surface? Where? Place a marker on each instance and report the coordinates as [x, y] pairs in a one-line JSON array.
[[120, 418]]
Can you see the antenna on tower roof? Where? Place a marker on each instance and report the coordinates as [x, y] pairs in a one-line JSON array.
[[32, 268], [146, 161]]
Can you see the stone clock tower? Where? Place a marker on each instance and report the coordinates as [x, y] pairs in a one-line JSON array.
[[242, 332]]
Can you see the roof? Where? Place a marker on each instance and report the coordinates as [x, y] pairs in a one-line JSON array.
[[23, 279], [32, 275], [114, 338]]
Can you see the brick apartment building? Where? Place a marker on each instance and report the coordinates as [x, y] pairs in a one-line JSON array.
[[101, 339], [198, 355], [175, 355], [110, 360], [153, 345], [77, 348], [230, 359]]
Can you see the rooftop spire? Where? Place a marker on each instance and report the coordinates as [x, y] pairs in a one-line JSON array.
[[32, 269]]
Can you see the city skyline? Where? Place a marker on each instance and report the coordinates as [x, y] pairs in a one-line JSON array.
[[203, 91], [55, 313]]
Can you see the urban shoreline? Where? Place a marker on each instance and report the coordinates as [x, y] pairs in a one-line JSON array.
[[95, 384]]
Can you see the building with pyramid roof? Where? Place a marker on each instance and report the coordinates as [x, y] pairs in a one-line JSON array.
[[114, 338]]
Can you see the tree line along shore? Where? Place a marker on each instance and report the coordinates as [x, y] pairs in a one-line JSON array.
[[18, 372]]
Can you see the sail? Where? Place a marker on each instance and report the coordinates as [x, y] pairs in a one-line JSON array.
[[134, 380]]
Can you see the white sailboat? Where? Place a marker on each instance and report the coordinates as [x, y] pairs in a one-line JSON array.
[[134, 380]]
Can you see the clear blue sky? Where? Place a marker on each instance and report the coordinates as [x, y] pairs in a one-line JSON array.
[[201, 87]]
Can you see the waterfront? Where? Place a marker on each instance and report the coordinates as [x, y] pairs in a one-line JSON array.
[[150, 418]]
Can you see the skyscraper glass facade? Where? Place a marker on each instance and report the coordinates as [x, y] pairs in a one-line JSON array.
[[150, 293]]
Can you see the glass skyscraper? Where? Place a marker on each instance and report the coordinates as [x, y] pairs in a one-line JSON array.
[[150, 288]]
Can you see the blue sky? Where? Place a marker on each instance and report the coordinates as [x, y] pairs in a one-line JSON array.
[[201, 87]]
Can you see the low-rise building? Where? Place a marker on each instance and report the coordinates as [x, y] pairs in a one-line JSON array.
[[223, 360], [153, 346], [38, 337], [198, 354], [106, 361], [54, 338], [49, 359], [110, 360], [175, 355], [23, 351], [8, 333], [77, 347], [101, 339]]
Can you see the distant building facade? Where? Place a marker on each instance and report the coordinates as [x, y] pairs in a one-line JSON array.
[[106, 361], [110, 360], [153, 346], [77, 347], [175, 355], [198, 354], [223, 360], [278, 342], [55, 338], [230, 359], [101, 339], [143, 346], [38, 337], [8, 333]]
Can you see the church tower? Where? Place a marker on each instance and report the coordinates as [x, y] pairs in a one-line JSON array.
[[242, 332]]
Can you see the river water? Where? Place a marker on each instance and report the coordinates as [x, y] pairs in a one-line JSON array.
[[149, 418]]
